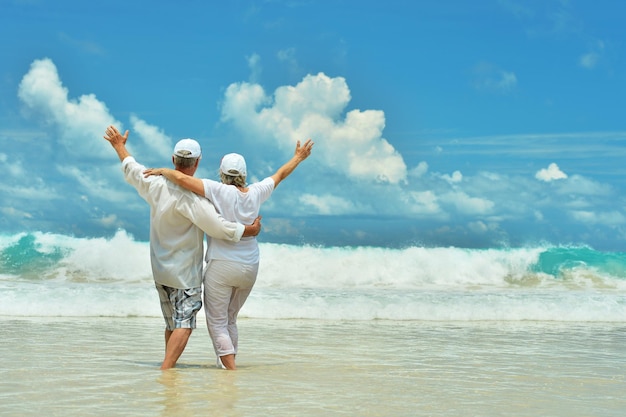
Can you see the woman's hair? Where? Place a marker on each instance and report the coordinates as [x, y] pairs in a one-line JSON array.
[[238, 181], [181, 162]]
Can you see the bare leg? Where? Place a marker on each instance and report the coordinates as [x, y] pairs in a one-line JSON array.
[[176, 342], [168, 333], [228, 361]]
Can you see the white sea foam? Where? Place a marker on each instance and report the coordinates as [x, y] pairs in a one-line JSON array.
[[56, 275]]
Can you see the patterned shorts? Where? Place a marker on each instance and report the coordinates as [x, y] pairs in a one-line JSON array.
[[180, 306]]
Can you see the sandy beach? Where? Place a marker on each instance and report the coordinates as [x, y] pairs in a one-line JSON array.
[[109, 367]]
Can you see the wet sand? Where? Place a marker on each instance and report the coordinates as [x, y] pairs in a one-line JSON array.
[[109, 367]]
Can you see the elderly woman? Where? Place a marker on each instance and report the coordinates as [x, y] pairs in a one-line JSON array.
[[232, 268]]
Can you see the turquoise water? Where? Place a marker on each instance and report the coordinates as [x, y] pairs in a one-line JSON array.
[[40, 272], [557, 261], [25, 257], [326, 331]]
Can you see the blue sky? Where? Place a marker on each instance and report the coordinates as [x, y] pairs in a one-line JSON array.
[[449, 122]]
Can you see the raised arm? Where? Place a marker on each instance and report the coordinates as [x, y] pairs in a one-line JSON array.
[[186, 181], [301, 153], [118, 141]]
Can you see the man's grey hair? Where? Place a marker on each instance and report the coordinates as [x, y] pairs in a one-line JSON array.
[[181, 162]]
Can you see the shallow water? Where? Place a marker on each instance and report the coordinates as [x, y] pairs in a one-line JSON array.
[[109, 367]]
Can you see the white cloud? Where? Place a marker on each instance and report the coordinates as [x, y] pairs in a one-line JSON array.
[[95, 185], [155, 139], [80, 122], [419, 170], [328, 204], [349, 143], [35, 192], [478, 227], [109, 221], [313, 108], [467, 204], [490, 78], [285, 227], [612, 218], [456, 177], [580, 185], [288, 56], [551, 173], [14, 168], [423, 202], [254, 63], [12, 212]]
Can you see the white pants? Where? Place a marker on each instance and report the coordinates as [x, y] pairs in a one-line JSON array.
[[227, 285]]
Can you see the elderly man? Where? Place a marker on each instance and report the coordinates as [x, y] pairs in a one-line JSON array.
[[178, 221]]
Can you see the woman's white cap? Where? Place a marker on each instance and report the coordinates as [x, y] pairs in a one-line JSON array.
[[234, 165]]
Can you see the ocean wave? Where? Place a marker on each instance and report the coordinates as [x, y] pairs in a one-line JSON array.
[[57, 275]]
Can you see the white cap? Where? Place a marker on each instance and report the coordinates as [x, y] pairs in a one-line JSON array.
[[188, 148], [234, 165]]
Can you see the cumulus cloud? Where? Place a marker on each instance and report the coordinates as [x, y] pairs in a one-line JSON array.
[[478, 227], [353, 171], [328, 204], [109, 221], [468, 204], [154, 137], [80, 124], [73, 131], [313, 108], [95, 185], [612, 218], [456, 177], [551, 173], [423, 202], [79, 121], [419, 170], [580, 185]]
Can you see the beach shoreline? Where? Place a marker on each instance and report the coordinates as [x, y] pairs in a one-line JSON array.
[[109, 366]]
